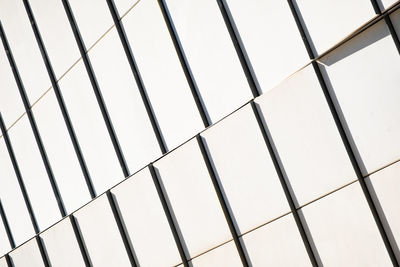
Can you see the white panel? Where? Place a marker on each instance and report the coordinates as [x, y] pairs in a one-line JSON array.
[[93, 18], [276, 244], [223, 256], [245, 170], [61, 245], [60, 152], [145, 221], [34, 173], [328, 22], [27, 255], [11, 106], [124, 5], [386, 3], [271, 38], [211, 55], [368, 94], [12, 200], [162, 74], [344, 231], [4, 243], [193, 199], [308, 142], [90, 129], [3, 262], [103, 240], [24, 48], [124, 103], [386, 184]]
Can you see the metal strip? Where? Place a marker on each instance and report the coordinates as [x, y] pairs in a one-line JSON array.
[[43, 252], [81, 242], [7, 226]]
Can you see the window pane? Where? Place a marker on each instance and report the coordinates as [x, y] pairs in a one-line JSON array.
[[124, 5], [211, 55], [27, 255], [225, 255], [245, 170]]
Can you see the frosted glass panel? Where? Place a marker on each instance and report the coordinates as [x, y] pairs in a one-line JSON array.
[[27, 255], [225, 255]]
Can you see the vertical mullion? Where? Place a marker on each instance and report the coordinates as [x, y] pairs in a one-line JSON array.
[[184, 63], [96, 88], [81, 242], [345, 140], [121, 228], [7, 226], [279, 170], [32, 122], [8, 260], [170, 217], [136, 74], [239, 47], [222, 201], [43, 252]]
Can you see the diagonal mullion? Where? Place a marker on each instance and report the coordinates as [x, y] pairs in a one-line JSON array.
[[7, 226]]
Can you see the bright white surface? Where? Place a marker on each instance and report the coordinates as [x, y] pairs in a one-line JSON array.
[[193, 199], [60, 152], [387, 3], [103, 240], [211, 55], [368, 94], [271, 38], [224, 256], [61, 245], [56, 33], [386, 184], [12, 200], [344, 231], [34, 173], [328, 22], [276, 244], [24, 48], [145, 221], [124, 5], [90, 129], [3, 262], [27, 255], [162, 74], [93, 18], [124, 104], [305, 136], [11, 106], [245, 170]]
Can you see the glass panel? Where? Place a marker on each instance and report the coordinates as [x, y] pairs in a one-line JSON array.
[[60, 152], [56, 33], [162, 74], [61, 246], [27, 255], [342, 222], [245, 170], [276, 244], [34, 173], [103, 240], [124, 103], [211, 55], [368, 94], [193, 198], [308, 143], [125, 5], [12, 200], [330, 21], [225, 255], [145, 221], [271, 38], [24, 47], [90, 129]]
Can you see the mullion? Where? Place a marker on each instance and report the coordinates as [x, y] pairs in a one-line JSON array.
[[184, 63], [81, 242], [8, 260], [32, 122], [96, 88], [222, 201], [290, 199], [345, 139], [42, 250], [7, 226]]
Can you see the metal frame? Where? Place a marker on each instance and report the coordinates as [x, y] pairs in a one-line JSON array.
[[6, 226]]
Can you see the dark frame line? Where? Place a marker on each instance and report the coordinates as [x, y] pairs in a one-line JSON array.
[[32, 122], [62, 105], [42, 250], [81, 242], [279, 170], [18, 173], [96, 88], [7, 226], [184, 63], [170, 217], [138, 78], [344, 137], [228, 216], [8, 260]]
